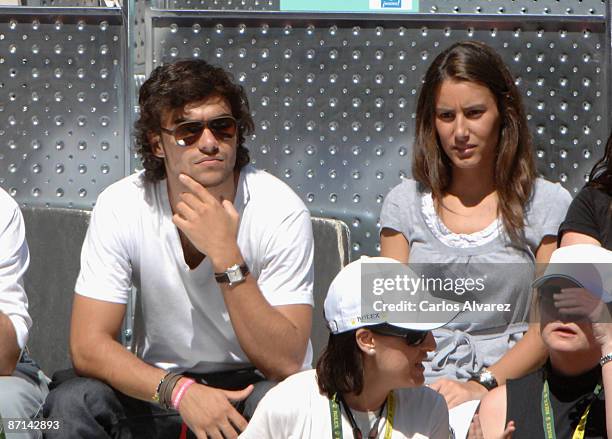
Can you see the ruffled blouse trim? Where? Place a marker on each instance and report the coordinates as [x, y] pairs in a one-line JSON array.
[[451, 239]]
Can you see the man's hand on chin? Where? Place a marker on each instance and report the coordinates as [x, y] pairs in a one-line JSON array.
[[211, 225]]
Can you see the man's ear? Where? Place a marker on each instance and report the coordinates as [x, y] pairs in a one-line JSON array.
[[156, 144]]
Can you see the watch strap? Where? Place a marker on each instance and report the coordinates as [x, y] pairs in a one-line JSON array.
[[605, 359], [485, 378]]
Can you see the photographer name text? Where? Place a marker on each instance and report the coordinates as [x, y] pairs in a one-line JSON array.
[[443, 306]]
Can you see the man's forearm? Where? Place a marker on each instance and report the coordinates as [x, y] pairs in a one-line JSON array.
[[9, 349], [274, 344], [107, 360]]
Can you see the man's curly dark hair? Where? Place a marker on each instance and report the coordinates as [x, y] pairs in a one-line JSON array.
[[171, 87]]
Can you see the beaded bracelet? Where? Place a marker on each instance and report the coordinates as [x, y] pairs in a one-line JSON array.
[[155, 397]]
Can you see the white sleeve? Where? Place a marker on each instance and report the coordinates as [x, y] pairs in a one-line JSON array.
[[14, 261], [286, 277], [106, 270]]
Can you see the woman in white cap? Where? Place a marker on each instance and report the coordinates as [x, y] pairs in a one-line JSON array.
[[368, 383], [565, 398]]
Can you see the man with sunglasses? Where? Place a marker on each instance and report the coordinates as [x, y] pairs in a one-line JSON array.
[[221, 256]]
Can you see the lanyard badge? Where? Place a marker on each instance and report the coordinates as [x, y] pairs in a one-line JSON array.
[[548, 417], [336, 418]]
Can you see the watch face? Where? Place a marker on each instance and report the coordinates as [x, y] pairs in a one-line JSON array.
[[234, 274], [487, 379]]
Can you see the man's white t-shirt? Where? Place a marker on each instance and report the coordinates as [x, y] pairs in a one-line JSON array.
[[132, 241], [14, 261], [295, 409]]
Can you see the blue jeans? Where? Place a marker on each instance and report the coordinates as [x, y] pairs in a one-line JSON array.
[[88, 408], [22, 395]]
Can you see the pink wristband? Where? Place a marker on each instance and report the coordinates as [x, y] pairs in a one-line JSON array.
[[181, 392]]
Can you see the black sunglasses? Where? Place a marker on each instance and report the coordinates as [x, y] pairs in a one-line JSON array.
[[412, 338], [188, 133]]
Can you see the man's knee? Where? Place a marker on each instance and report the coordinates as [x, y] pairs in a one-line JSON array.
[[80, 394], [20, 397], [84, 407]]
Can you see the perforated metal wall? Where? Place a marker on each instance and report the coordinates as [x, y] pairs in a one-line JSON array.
[[62, 118], [333, 95], [244, 5], [334, 99], [544, 7], [536, 7], [60, 3], [140, 7]]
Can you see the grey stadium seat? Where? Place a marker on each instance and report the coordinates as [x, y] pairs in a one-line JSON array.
[[332, 244], [54, 237]]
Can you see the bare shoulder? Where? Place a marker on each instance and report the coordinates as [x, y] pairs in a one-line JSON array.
[[492, 412], [573, 238]]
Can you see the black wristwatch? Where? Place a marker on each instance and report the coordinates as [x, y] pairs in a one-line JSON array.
[[233, 275], [485, 378]]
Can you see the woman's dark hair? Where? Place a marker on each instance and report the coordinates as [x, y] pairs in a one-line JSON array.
[[515, 171], [601, 174], [340, 367], [171, 87]]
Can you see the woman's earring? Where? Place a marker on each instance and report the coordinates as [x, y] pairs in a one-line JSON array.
[[372, 351]]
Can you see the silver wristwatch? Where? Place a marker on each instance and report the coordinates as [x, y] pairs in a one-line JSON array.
[[485, 378], [233, 275]]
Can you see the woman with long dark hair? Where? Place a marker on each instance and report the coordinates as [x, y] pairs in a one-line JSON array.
[[475, 201]]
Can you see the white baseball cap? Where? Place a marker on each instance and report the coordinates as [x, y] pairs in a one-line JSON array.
[[343, 304], [588, 266]]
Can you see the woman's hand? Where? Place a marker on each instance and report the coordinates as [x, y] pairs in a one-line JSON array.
[[581, 303], [458, 392]]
